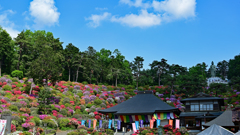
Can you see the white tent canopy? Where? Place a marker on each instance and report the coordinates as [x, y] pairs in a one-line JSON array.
[[238, 133], [216, 130]]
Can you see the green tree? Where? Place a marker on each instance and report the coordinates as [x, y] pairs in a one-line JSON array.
[[136, 67], [160, 67], [171, 76], [90, 64], [47, 66], [81, 56], [234, 67], [17, 73], [103, 60], [218, 88], [71, 55], [44, 100], [222, 68], [6, 51]]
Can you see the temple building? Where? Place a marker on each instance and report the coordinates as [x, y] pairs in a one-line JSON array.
[[199, 110]]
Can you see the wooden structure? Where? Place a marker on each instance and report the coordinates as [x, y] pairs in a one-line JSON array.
[[199, 110]]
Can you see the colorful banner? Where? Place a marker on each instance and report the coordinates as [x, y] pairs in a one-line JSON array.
[[137, 125], [139, 117], [130, 118], [141, 123], [158, 122], [3, 124], [94, 123], [119, 124], [134, 127], [136, 118], [110, 123], [154, 116], [109, 115], [177, 123], [83, 122], [127, 118], [124, 119], [162, 116], [151, 123], [174, 115], [158, 115], [168, 115], [171, 115], [133, 117], [149, 118], [89, 123], [143, 118], [121, 117], [100, 123], [171, 122], [146, 118]]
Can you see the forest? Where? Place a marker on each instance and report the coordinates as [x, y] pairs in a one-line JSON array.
[[40, 55]]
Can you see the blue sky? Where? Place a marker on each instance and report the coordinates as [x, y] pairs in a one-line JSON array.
[[184, 32]]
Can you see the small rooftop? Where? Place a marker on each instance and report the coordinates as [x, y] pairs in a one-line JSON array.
[[225, 119], [202, 96]]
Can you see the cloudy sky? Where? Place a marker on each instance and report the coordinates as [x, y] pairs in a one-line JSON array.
[[184, 32]]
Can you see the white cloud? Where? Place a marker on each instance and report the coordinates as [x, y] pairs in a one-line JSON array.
[[13, 33], [164, 11], [44, 12], [101, 8], [175, 9], [8, 25], [137, 3], [96, 19], [144, 19]]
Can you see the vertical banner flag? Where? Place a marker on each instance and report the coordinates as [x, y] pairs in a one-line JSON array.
[[171, 122], [89, 123], [151, 123], [100, 123], [149, 118], [110, 123], [177, 123], [141, 123], [124, 117], [83, 122], [168, 115], [94, 123], [134, 127], [161, 116], [3, 124], [171, 115], [137, 124], [158, 122], [119, 124]]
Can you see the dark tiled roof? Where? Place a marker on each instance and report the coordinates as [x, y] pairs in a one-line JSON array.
[[201, 97], [142, 103]]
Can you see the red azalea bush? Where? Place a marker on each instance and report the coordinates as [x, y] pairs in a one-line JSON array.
[[77, 107], [13, 128]]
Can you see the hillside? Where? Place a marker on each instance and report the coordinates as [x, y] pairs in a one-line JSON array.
[[66, 104]]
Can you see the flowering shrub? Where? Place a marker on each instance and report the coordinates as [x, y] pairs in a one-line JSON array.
[[17, 92], [42, 116], [3, 101], [26, 125]]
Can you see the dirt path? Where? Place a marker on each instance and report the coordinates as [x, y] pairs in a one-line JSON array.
[[63, 132]]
